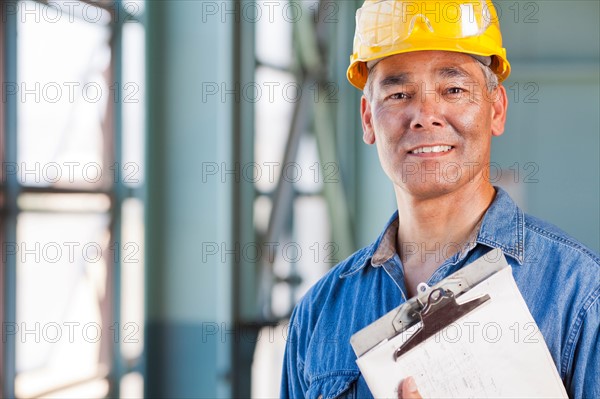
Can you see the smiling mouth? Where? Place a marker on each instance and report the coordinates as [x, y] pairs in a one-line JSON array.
[[433, 149]]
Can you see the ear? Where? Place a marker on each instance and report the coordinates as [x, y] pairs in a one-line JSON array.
[[367, 121], [499, 107]]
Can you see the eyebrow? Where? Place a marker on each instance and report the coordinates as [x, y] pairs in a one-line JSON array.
[[453, 72], [445, 73], [395, 80]]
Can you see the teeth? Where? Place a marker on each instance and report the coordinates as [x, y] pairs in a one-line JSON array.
[[436, 148]]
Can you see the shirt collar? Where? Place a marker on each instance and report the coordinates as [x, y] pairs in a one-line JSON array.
[[503, 226], [367, 255], [387, 245]]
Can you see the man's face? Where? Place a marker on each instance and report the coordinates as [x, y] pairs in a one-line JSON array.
[[432, 118]]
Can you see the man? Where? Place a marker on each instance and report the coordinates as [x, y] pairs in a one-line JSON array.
[[432, 102]]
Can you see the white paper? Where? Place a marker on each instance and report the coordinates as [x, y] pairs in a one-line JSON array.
[[496, 351]]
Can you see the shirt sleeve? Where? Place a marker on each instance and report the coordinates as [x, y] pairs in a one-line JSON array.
[[585, 381], [292, 377]]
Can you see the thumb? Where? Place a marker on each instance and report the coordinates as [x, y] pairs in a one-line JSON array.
[[408, 389]]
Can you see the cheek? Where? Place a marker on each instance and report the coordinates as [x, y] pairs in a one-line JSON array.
[[388, 123], [469, 120], [475, 124], [385, 151]]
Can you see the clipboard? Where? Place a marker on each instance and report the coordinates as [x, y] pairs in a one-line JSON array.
[[416, 339]]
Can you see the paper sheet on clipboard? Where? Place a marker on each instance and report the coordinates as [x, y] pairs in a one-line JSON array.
[[494, 351]]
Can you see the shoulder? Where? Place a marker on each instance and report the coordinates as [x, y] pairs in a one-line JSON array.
[[344, 287], [543, 236], [565, 265], [331, 285]]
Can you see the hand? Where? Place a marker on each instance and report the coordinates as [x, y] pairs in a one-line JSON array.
[[408, 389]]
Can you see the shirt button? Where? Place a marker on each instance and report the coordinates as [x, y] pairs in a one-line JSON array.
[[320, 397], [422, 287]]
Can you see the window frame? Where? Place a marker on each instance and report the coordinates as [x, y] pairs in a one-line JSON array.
[[118, 192]]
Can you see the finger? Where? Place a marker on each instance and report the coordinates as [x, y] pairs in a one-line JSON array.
[[409, 389]]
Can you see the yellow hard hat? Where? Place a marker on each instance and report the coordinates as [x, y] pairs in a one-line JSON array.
[[388, 27]]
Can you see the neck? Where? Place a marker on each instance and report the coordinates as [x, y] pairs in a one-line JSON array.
[[431, 230]]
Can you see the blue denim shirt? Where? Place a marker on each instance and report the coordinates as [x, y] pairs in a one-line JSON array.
[[558, 277]]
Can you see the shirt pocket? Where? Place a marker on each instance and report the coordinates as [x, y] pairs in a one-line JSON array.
[[334, 385]]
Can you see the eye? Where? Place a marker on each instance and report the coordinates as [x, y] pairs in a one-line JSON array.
[[400, 96], [455, 90]]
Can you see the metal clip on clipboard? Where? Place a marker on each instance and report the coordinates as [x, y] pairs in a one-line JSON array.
[[408, 314], [440, 311]]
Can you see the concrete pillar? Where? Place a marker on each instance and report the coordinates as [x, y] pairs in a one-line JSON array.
[[189, 199]]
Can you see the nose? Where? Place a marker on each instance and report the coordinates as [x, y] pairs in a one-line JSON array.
[[427, 113]]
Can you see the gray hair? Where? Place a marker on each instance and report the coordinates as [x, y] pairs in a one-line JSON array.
[[491, 79]]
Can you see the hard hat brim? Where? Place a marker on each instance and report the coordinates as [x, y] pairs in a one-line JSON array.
[[358, 71]]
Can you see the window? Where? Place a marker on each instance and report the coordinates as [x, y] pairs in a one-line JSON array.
[[72, 227]]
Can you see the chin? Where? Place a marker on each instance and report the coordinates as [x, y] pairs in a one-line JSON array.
[[429, 188]]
